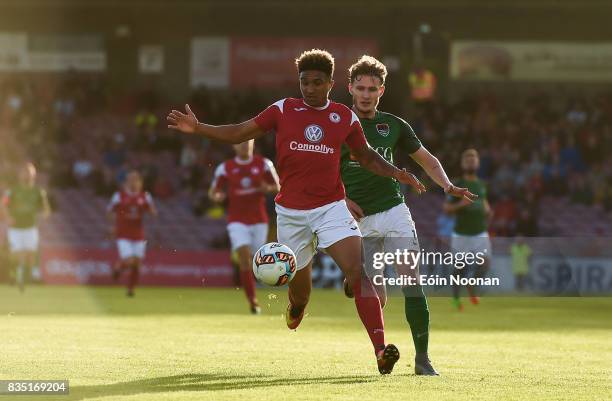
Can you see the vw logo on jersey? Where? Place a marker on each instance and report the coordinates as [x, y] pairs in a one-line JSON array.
[[334, 117], [313, 133], [245, 182], [383, 129]]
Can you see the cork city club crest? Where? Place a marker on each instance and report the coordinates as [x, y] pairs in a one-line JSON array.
[[383, 129]]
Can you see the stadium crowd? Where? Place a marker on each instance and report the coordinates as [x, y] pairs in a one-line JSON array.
[[81, 137]]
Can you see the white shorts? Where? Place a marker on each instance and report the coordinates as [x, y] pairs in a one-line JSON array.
[[253, 235], [388, 231], [131, 249], [23, 239], [306, 230], [472, 243]]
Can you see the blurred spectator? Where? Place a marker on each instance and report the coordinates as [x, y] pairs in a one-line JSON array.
[[520, 252]]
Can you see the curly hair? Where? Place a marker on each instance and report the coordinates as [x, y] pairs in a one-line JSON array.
[[317, 60]]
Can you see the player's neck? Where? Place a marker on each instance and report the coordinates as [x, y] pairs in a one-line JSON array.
[[470, 176], [244, 159], [130, 192], [318, 106], [370, 114]]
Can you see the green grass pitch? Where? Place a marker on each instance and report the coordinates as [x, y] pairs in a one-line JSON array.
[[200, 344]]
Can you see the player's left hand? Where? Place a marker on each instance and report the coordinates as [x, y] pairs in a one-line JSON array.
[[265, 188], [405, 177], [183, 122], [461, 193]]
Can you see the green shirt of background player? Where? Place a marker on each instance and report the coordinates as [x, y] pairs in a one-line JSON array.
[[377, 203], [20, 207], [471, 220]]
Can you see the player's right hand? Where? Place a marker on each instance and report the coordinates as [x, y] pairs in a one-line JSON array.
[[466, 196], [405, 177], [183, 122], [217, 196], [355, 210]]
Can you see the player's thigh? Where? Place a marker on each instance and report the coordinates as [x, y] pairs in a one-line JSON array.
[[293, 230], [477, 245], [373, 251], [259, 235], [125, 249], [239, 235], [369, 226], [29, 240], [139, 250], [16, 240], [398, 222], [300, 286], [348, 255]]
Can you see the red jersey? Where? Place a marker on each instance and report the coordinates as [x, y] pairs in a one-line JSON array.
[[129, 210], [308, 143], [243, 178]]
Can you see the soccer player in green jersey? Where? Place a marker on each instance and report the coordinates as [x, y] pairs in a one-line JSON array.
[[20, 207], [471, 220], [377, 202]]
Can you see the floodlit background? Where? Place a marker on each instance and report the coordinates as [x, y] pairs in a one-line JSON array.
[[85, 86]]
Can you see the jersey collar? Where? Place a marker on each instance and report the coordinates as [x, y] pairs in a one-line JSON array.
[[243, 162], [317, 108]]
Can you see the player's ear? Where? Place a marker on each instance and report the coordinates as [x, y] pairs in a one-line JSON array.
[[381, 90], [350, 88]]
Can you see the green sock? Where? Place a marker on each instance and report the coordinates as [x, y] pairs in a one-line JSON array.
[[417, 316]]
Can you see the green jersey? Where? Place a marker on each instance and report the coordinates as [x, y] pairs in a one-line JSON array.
[[373, 193], [24, 204], [471, 219]]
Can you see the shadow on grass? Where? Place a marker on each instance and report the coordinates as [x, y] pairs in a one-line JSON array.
[[202, 382]]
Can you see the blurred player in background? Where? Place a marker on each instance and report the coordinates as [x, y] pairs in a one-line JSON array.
[[20, 207], [471, 222], [126, 211], [378, 203], [244, 181], [311, 210]]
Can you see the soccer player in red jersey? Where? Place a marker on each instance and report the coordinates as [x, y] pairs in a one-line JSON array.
[[248, 178], [126, 211], [311, 210]]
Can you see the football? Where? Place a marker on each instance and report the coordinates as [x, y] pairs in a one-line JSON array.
[[274, 264]]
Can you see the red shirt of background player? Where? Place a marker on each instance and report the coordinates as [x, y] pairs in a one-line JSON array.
[[243, 178], [308, 143], [129, 210]]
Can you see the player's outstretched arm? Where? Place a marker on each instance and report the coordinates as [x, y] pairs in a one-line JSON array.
[[232, 133], [435, 171], [370, 159]]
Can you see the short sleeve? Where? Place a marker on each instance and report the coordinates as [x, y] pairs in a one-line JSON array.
[[114, 202], [269, 171], [150, 203], [6, 198], [267, 120], [408, 140], [356, 139], [219, 179]]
